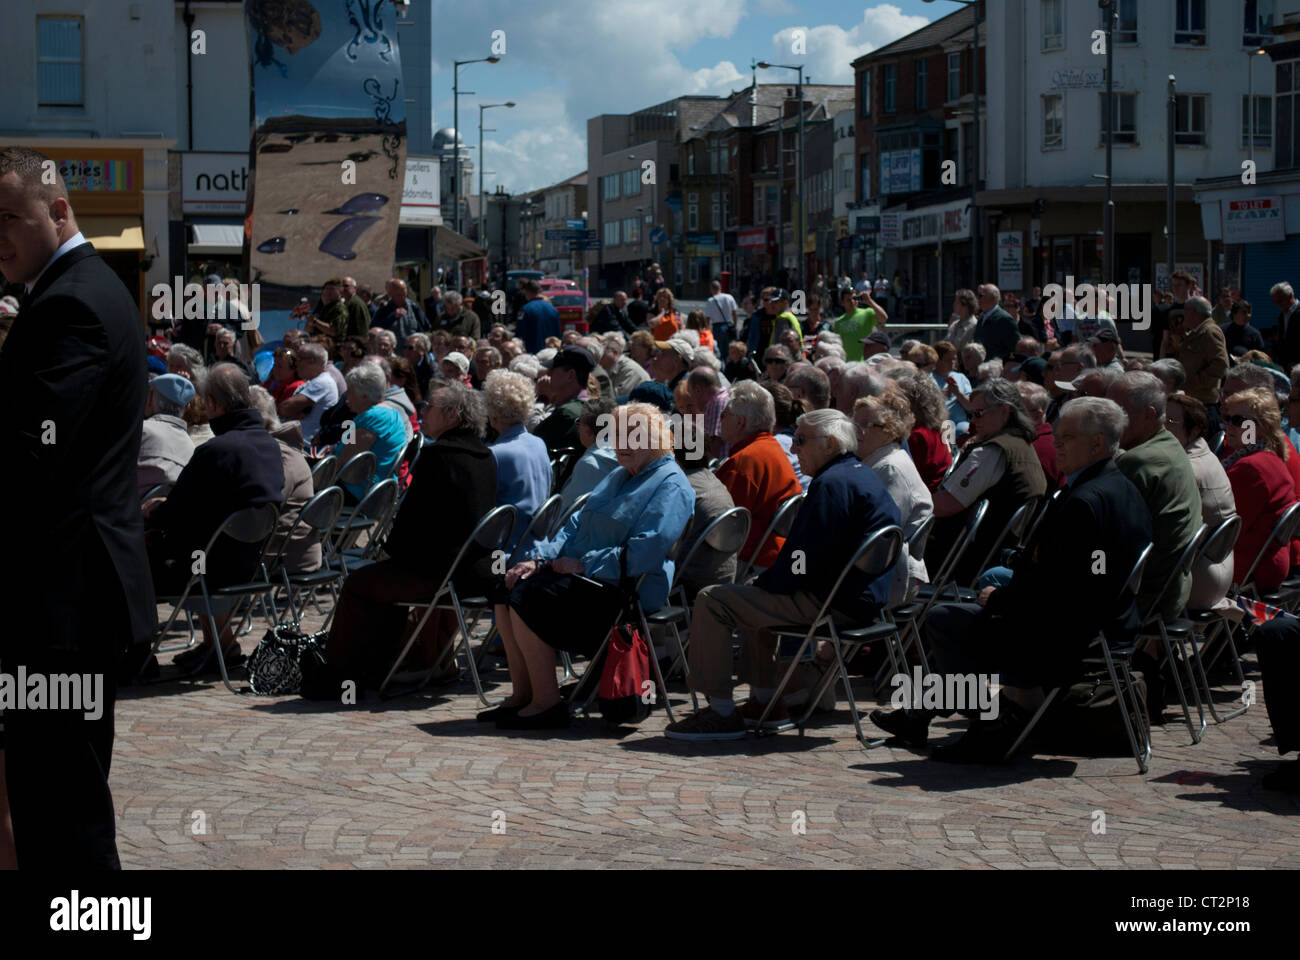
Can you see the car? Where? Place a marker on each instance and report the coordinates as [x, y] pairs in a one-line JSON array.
[[572, 306]]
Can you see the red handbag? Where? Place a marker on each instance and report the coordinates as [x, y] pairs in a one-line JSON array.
[[626, 689]]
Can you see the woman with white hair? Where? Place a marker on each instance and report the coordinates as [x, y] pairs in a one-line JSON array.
[[523, 465], [183, 360], [377, 427], [567, 595]]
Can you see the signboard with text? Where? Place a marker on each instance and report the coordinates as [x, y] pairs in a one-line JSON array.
[[1257, 220], [214, 182], [1011, 259]]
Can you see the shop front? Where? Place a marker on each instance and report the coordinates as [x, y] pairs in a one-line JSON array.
[[214, 189], [927, 254]]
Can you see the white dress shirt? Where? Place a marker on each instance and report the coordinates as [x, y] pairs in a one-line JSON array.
[[74, 241]]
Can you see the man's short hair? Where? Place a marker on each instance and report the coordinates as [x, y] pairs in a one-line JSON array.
[[1251, 374], [1200, 305], [1171, 373], [833, 424], [615, 341], [1143, 389], [752, 402], [30, 166], [1283, 288], [1035, 397], [421, 340], [227, 386], [532, 286], [1098, 415], [813, 382], [703, 378], [314, 351], [1082, 355], [452, 298]]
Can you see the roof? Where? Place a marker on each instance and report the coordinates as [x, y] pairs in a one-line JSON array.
[[931, 35], [450, 245]]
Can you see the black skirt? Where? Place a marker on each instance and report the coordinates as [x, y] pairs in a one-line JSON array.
[[568, 613]]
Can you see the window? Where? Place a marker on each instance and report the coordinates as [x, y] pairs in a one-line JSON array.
[[1053, 122], [690, 163], [1189, 23], [865, 176], [1053, 18], [717, 211], [632, 229], [758, 205], [1126, 27], [1263, 122], [954, 76], [59, 69], [864, 93], [770, 204], [920, 84], [1258, 19], [1189, 123], [1125, 123], [693, 216], [611, 233], [846, 173], [1285, 155], [890, 74], [609, 187], [632, 182]]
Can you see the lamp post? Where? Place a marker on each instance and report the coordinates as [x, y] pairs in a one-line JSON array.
[[1171, 188], [976, 265], [1250, 97], [1110, 12], [799, 158], [654, 210], [455, 106], [482, 207]]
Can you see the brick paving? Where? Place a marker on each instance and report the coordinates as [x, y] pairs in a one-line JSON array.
[[416, 782]]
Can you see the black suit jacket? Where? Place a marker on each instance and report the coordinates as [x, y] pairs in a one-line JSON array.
[[1064, 592], [73, 371], [998, 332]]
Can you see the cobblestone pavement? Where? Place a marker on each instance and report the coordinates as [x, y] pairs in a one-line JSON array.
[[204, 778]]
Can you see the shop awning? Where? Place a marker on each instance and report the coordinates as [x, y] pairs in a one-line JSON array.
[[450, 245], [217, 237], [113, 233]]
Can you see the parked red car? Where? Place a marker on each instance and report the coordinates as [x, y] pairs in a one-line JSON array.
[[572, 306]]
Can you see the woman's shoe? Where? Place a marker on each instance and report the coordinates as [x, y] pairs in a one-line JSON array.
[[496, 713], [554, 718]]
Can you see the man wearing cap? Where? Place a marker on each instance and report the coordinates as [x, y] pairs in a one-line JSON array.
[[1106, 348], [775, 318], [165, 444], [673, 360], [567, 386], [455, 366], [877, 342]]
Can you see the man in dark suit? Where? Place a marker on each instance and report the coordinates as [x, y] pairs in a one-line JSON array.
[[1089, 541], [614, 317], [72, 384], [996, 329]]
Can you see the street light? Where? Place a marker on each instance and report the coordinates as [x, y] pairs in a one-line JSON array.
[[1108, 212], [482, 207], [654, 210], [976, 266], [1250, 96], [455, 100], [799, 160]]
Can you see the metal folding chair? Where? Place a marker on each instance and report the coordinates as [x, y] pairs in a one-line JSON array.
[[158, 490], [874, 557], [780, 526], [562, 464], [252, 525], [410, 453], [1210, 624], [357, 471], [1012, 535], [569, 514], [491, 533], [370, 515], [319, 515], [322, 475], [1284, 531], [1041, 516], [1116, 659]]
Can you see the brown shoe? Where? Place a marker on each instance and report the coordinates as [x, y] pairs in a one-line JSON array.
[[752, 709]]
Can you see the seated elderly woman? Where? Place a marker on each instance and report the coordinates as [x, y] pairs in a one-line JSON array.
[[523, 465], [303, 554], [599, 460], [1188, 420], [927, 441], [567, 595], [377, 427], [883, 424]]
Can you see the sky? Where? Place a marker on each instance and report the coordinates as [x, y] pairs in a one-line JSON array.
[[568, 60]]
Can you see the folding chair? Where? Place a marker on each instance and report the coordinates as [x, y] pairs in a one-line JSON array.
[[322, 475], [410, 454], [780, 526], [1154, 627], [252, 525], [1042, 515], [1116, 659], [1284, 531], [874, 557], [1210, 624], [1216, 444], [1013, 534], [491, 533], [158, 490], [726, 534], [562, 464], [319, 514], [570, 513], [369, 515], [357, 472]]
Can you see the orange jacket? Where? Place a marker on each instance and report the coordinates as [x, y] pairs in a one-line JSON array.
[[667, 326], [759, 477]]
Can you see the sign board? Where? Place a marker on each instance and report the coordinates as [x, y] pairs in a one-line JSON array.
[[1256, 220], [1083, 78], [421, 202], [1197, 270], [900, 171], [1035, 233], [584, 244], [214, 182], [755, 239], [868, 225], [927, 226], [658, 235], [576, 224], [889, 230], [1011, 259]]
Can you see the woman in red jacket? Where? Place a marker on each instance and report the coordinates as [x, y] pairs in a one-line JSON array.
[[926, 442], [1262, 487]]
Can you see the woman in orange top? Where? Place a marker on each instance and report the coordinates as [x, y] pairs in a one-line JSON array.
[[666, 320], [695, 320]]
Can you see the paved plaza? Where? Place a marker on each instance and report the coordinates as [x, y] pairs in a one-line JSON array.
[[202, 778]]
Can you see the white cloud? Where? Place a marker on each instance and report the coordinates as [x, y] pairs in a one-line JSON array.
[[831, 50]]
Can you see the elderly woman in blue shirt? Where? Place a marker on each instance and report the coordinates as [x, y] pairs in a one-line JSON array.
[[377, 427], [567, 595], [523, 464]]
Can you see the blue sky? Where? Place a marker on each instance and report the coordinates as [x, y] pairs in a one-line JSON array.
[[567, 60]]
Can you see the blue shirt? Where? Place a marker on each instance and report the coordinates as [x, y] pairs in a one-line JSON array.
[[537, 321], [523, 475], [956, 412], [592, 467], [390, 439], [645, 513]]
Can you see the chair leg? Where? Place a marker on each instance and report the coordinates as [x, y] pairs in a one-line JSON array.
[[1175, 671], [1033, 722], [469, 653], [785, 681], [585, 706], [1141, 756], [1231, 644], [406, 647], [654, 665]]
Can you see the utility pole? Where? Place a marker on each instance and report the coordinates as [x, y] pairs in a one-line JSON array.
[[1111, 14], [1171, 197]]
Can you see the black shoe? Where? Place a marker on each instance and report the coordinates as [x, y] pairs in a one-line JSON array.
[[1285, 779], [912, 729], [987, 741], [556, 718], [202, 660], [496, 713]]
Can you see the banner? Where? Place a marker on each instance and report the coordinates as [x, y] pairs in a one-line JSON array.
[[326, 165]]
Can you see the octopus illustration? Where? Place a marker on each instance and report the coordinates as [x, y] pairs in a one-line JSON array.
[[289, 24], [365, 17]]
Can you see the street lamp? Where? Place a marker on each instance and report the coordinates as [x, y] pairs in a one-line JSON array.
[[799, 159], [1250, 96], [654, 210], [976, 266], [455, 100], [482, 207], [1108, 212]]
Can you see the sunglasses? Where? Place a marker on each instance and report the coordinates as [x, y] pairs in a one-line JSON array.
[[981, 414], [775, 360], [1236, 420]]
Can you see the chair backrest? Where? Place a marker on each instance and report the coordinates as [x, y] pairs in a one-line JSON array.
[[1222, 540], [1042, 514], [323, 474], [158, 490], [562, 463], [248, 525], [1134, 581], [875, 556], [492, 533], [1186, 560], [920, 538], [410, 454], [782, 522], [374, 506], [974, 519], [1011, 534], [357, 471], [1216, 444], [568, 514], [1283, 532], [727, 533], [319, 514], [539, 528]]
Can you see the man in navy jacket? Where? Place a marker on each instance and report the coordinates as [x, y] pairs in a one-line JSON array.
[[845, 503]]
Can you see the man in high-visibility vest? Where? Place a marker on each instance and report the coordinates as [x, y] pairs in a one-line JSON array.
[[775, 319]]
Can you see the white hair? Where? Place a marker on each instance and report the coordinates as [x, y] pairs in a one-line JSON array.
[[1142, 390], [1283, 288], [863, 381], [263, 403], [1098, 415], [527, 365], [755, 404], [509, 396], [704, 357], [833, 424], [314, 351], [615, 340], [367, 380]]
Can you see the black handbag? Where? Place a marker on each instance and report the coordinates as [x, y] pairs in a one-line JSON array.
[[276, 666]]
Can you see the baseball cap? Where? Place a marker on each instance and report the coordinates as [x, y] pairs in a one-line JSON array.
[[1104, 335], [459, 359], [650, 391], [173, 387], [576, 359], [1034, 370], [683, 347], [878, 336], [777, 294]]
